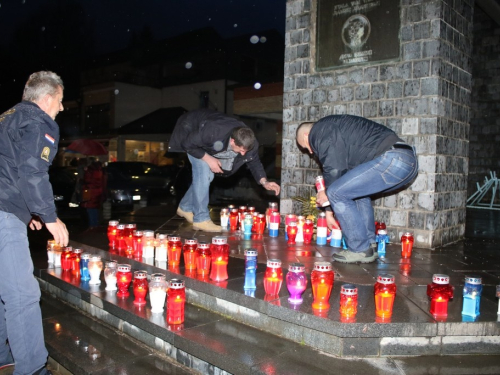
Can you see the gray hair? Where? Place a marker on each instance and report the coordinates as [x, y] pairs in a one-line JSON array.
[[40, 84]]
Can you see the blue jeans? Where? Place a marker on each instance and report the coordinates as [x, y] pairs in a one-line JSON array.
[[20, 314], [349, 196], [196, 198]]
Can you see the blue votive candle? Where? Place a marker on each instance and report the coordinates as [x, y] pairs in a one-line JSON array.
[[84, 267], [472, 296], [250, 268]]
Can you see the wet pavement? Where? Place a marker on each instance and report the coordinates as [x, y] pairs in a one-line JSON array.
[[206, 332]]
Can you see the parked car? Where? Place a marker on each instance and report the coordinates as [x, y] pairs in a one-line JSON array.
[[132, 182]]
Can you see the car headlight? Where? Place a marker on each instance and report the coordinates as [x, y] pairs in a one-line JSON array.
[[58, 198]]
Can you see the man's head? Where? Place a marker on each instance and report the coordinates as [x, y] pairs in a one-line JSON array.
[[46, 90], [302, 136], [242, 140]]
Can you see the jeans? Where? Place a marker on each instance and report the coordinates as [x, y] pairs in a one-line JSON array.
[[196, 198], [349, 196], [20, 314]]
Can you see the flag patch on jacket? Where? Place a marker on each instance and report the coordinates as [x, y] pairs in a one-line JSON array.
[[49, 138]]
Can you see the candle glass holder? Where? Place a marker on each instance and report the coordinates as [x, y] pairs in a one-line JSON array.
[[52, 247], [348, 301], [203, 259], [161, 248], [381, 238], [176, 301], [385, 293], [220, 258], [406, 245], [247, 225], [274, 224], [128, 236], [224, 218], [250, 269], [322, 278], [123, 280], [140, 287], [75, 261], [158, 292], [137, 243], [300, 229], [260, 224], [308, 230], [66, 261], [233, 219], [472, 296], [174, 249], [292, 232], [321, 229], [273, 278], [110, 271], [288, 219], [84, 267], [95, 268], [439, 292], [148, 245], [112, 230], [120, 237], [189, 251], [273, 207], [296, 282]]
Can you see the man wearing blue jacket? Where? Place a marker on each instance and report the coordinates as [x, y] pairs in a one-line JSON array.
[[215, 143], [360, 158], [28, 144]]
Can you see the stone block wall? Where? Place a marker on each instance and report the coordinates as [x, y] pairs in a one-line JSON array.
[[485, 114], [424, 97]]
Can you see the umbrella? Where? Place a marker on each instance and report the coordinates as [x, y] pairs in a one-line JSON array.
[[87, 147]]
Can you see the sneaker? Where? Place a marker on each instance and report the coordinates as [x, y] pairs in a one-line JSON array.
[[186, 215], [207, 226], [347, 256], [374, 247]]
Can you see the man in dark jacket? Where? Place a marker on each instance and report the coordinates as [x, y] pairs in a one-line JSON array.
[[360, 158], [28, 144], [215, 143]]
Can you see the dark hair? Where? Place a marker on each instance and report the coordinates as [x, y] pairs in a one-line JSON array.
[[243, 137]]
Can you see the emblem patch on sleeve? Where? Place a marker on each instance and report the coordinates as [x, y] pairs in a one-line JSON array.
[[45, 154]]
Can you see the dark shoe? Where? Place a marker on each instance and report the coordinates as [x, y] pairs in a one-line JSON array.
[[347, 256]]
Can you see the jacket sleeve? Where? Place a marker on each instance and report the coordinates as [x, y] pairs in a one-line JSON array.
[[36, 152], [255, 164]]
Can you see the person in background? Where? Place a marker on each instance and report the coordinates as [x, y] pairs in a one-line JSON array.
[[93, 188], [215, 143], [359, 158], [28, 144]]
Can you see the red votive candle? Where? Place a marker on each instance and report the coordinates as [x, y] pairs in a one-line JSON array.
[[291, 232], [120, 237], [322, 282], [260, 225], [128, 236], [241, 215], [112, 229], [123, 280], [308, 231], [66, 258], [203, 259], [137, 244], [220, 258], [273, 278], [348, 300], [385, 292], [75, 261], [440, 292], [189, 249], [140, 287], [176, 301], [174, 248], [406, 245], [233, 219]]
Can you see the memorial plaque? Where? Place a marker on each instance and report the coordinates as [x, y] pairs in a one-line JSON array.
[[356, 32]]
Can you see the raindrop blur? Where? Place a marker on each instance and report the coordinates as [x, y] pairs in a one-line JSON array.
[[117, 92], [254, 39], [263, 39], [235, 25], [257, 86], [189, 65], [23, 2], [43, 28]]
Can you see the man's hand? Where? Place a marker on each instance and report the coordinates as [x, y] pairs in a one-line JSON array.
[[321, 198], [330, 221], [35, 224], [59, 231], [268, 185], [213, 163]]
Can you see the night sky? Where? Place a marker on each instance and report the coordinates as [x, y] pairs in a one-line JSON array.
[[61, 35]]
